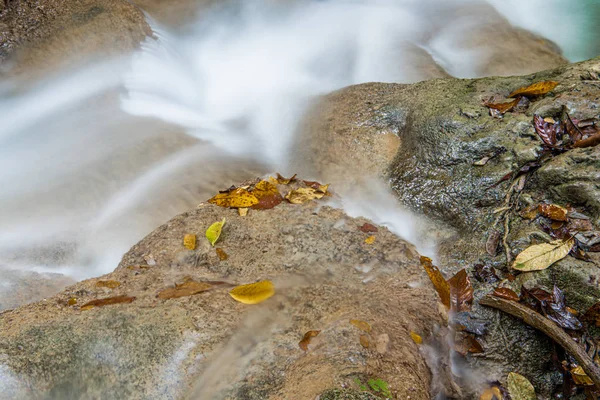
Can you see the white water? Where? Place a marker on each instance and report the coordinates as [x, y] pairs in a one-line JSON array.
[[92, 160]]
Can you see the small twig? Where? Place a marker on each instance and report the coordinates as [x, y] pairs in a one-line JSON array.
[[552, 330], [505, 239]]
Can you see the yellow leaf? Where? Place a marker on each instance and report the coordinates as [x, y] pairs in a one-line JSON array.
[[416, 337], [214, 231], [520, 388], [253, 293], [72, 301], [189, 241], [492, 393], [536, 89], [108, 284], [302, 195], [243, 211], [370, 239], [438, 280], [541, 256], [237, 198], [107, 301], [580, 377], [362, 325], [187, 288]]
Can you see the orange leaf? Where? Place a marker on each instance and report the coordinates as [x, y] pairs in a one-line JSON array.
[[189, 241], [107, 301], [416, 337], [221, 253], [370, 239], [188, 288], [536, 89], [368, 228], [552, 211], [364, 341], [504, 107], [267, 194], [439, 282], [307, 338], [506, 293]]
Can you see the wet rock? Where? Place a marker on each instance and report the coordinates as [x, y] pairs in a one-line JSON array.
[[426, 140], [210, 346]]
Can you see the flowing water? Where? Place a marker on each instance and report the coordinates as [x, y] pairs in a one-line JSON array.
[[94, 159]]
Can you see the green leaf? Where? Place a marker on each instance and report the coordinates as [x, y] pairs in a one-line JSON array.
[[520, 388], [214, 231]]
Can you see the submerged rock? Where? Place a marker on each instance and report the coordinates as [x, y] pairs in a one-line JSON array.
[[209, 346]]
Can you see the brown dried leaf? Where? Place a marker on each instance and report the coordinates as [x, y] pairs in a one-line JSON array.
[[592, 315], [107, 301], [368, 228], [189, 241], [465, 343], [221, 253], [238, 198], [187, 288], [461, 291], [553, 211], [267, 194], [504, 107], [536, 89], [529, 213], [485, 273], [307, 338], [579, 225], [546, 131], [506, 293], [362, 325], [491, 245], [439, 282], [588, 142], [72, 301], [108, 284], [572, 129]]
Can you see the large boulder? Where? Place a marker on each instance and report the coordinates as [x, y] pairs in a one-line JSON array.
[[208, 345], [426, 140]]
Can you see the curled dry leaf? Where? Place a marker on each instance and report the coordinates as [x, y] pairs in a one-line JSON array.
[[108, 284], [536, 89], [370, 239], [520, 388], [313, 184], [368, 228], [591, 141], [438, 280], [302, 195], [307, 338], [221, 253], [504, 107], [253, 293], [461, 291], [416, 337], [214, 231], [592, 315], [465, 343], [506, 293], [267, 194], [485, 273], [553, 211], [547, 132], [541, 256], [237, 198], [362, 325], [107, 301], [188, 288], [572, 129], [285, 181], [189, 241]]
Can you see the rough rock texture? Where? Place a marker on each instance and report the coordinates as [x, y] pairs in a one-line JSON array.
[[424, 139], [209, 346], [45, 34]]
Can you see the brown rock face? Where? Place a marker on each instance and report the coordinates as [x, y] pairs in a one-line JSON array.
[[208, 345]]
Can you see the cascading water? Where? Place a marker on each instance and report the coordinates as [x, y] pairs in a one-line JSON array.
[[87, 168]]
